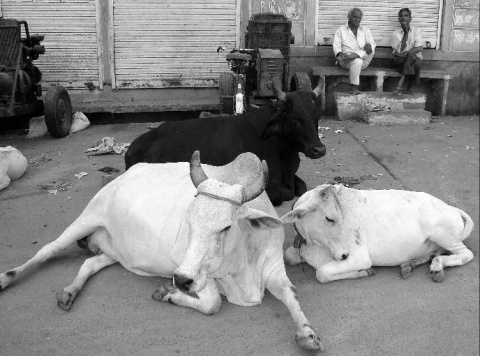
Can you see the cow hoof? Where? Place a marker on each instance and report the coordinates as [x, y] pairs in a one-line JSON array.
[[438, 276], [406, 271], [309, 343], [64, 300]]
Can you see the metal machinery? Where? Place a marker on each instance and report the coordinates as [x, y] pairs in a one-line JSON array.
[[267, 56], [20, 80]]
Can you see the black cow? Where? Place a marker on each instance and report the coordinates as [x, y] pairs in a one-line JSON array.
[[276, 133]]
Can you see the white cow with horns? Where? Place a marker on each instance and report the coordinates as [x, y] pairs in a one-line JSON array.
[[343, 232], [218, 235]]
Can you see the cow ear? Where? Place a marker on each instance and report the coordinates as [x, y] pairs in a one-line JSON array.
[[259, 220], [329, 191], [294, 215]]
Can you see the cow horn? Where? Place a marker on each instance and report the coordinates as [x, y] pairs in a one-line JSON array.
[[197, 173], [319, 88], [256, 188], [281, 95]]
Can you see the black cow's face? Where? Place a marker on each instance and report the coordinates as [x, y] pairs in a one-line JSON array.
[[296, 121]]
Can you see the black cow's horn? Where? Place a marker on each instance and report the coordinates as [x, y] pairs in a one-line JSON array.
[[257, 187], [318, 89], [281, 95], [196, 171]]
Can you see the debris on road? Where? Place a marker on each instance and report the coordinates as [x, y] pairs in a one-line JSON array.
[[110, 174], [107, 145], [12, 165], [54, 187], [350, 181], [39, 159], [338, 131], [109, 170], [79, 122], [37, 127], [81, 175]]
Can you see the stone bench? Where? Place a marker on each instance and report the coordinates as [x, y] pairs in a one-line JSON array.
[[380, 74]]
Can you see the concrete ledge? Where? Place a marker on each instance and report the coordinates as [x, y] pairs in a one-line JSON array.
[[352, 107], [376, 71], [411, 116]]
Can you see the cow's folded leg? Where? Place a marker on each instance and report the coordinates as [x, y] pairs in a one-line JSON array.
[[280, 286], [92, 265], [208, 301], [460, 256], [300, 186], [336, 270], [324, 278], [406, 268]]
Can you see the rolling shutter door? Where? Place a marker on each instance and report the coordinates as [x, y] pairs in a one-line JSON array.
[[381, 17], [172, 43], [70, 42]]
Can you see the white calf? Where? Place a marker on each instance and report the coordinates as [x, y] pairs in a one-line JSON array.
[[343, 232]]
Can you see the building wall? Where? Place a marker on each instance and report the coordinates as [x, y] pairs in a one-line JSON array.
[[463, 93], [81, 53]]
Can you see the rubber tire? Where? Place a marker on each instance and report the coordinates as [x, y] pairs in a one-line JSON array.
[[58, 111], [226, 84], [300, 81]]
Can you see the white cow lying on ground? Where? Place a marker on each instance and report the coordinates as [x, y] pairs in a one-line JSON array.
[[12, 165], [218, 235], [343, 232]]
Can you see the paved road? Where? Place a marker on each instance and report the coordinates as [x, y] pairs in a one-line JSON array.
[[114, 314]]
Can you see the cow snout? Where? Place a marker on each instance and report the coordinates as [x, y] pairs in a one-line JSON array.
[[183, 283], [318, 151]]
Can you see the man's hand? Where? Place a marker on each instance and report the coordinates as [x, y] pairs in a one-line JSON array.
[[342, 58], [368, 48]]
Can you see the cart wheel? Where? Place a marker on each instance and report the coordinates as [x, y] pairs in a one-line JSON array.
[[58, 111], [300, 81], [227, 91]]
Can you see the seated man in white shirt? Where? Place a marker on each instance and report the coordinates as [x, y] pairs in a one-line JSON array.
[[407, 47], [354, 47]]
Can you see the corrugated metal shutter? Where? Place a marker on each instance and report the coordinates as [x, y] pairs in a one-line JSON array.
[[69, 27], [381, 17], [172, 43]]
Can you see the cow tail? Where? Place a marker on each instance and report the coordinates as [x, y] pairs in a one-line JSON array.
[[468, 224]]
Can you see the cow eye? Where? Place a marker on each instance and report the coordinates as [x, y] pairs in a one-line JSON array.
[[329, 220]]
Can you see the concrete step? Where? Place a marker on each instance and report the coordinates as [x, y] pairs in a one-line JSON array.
[[351, 107], [405, 116]]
